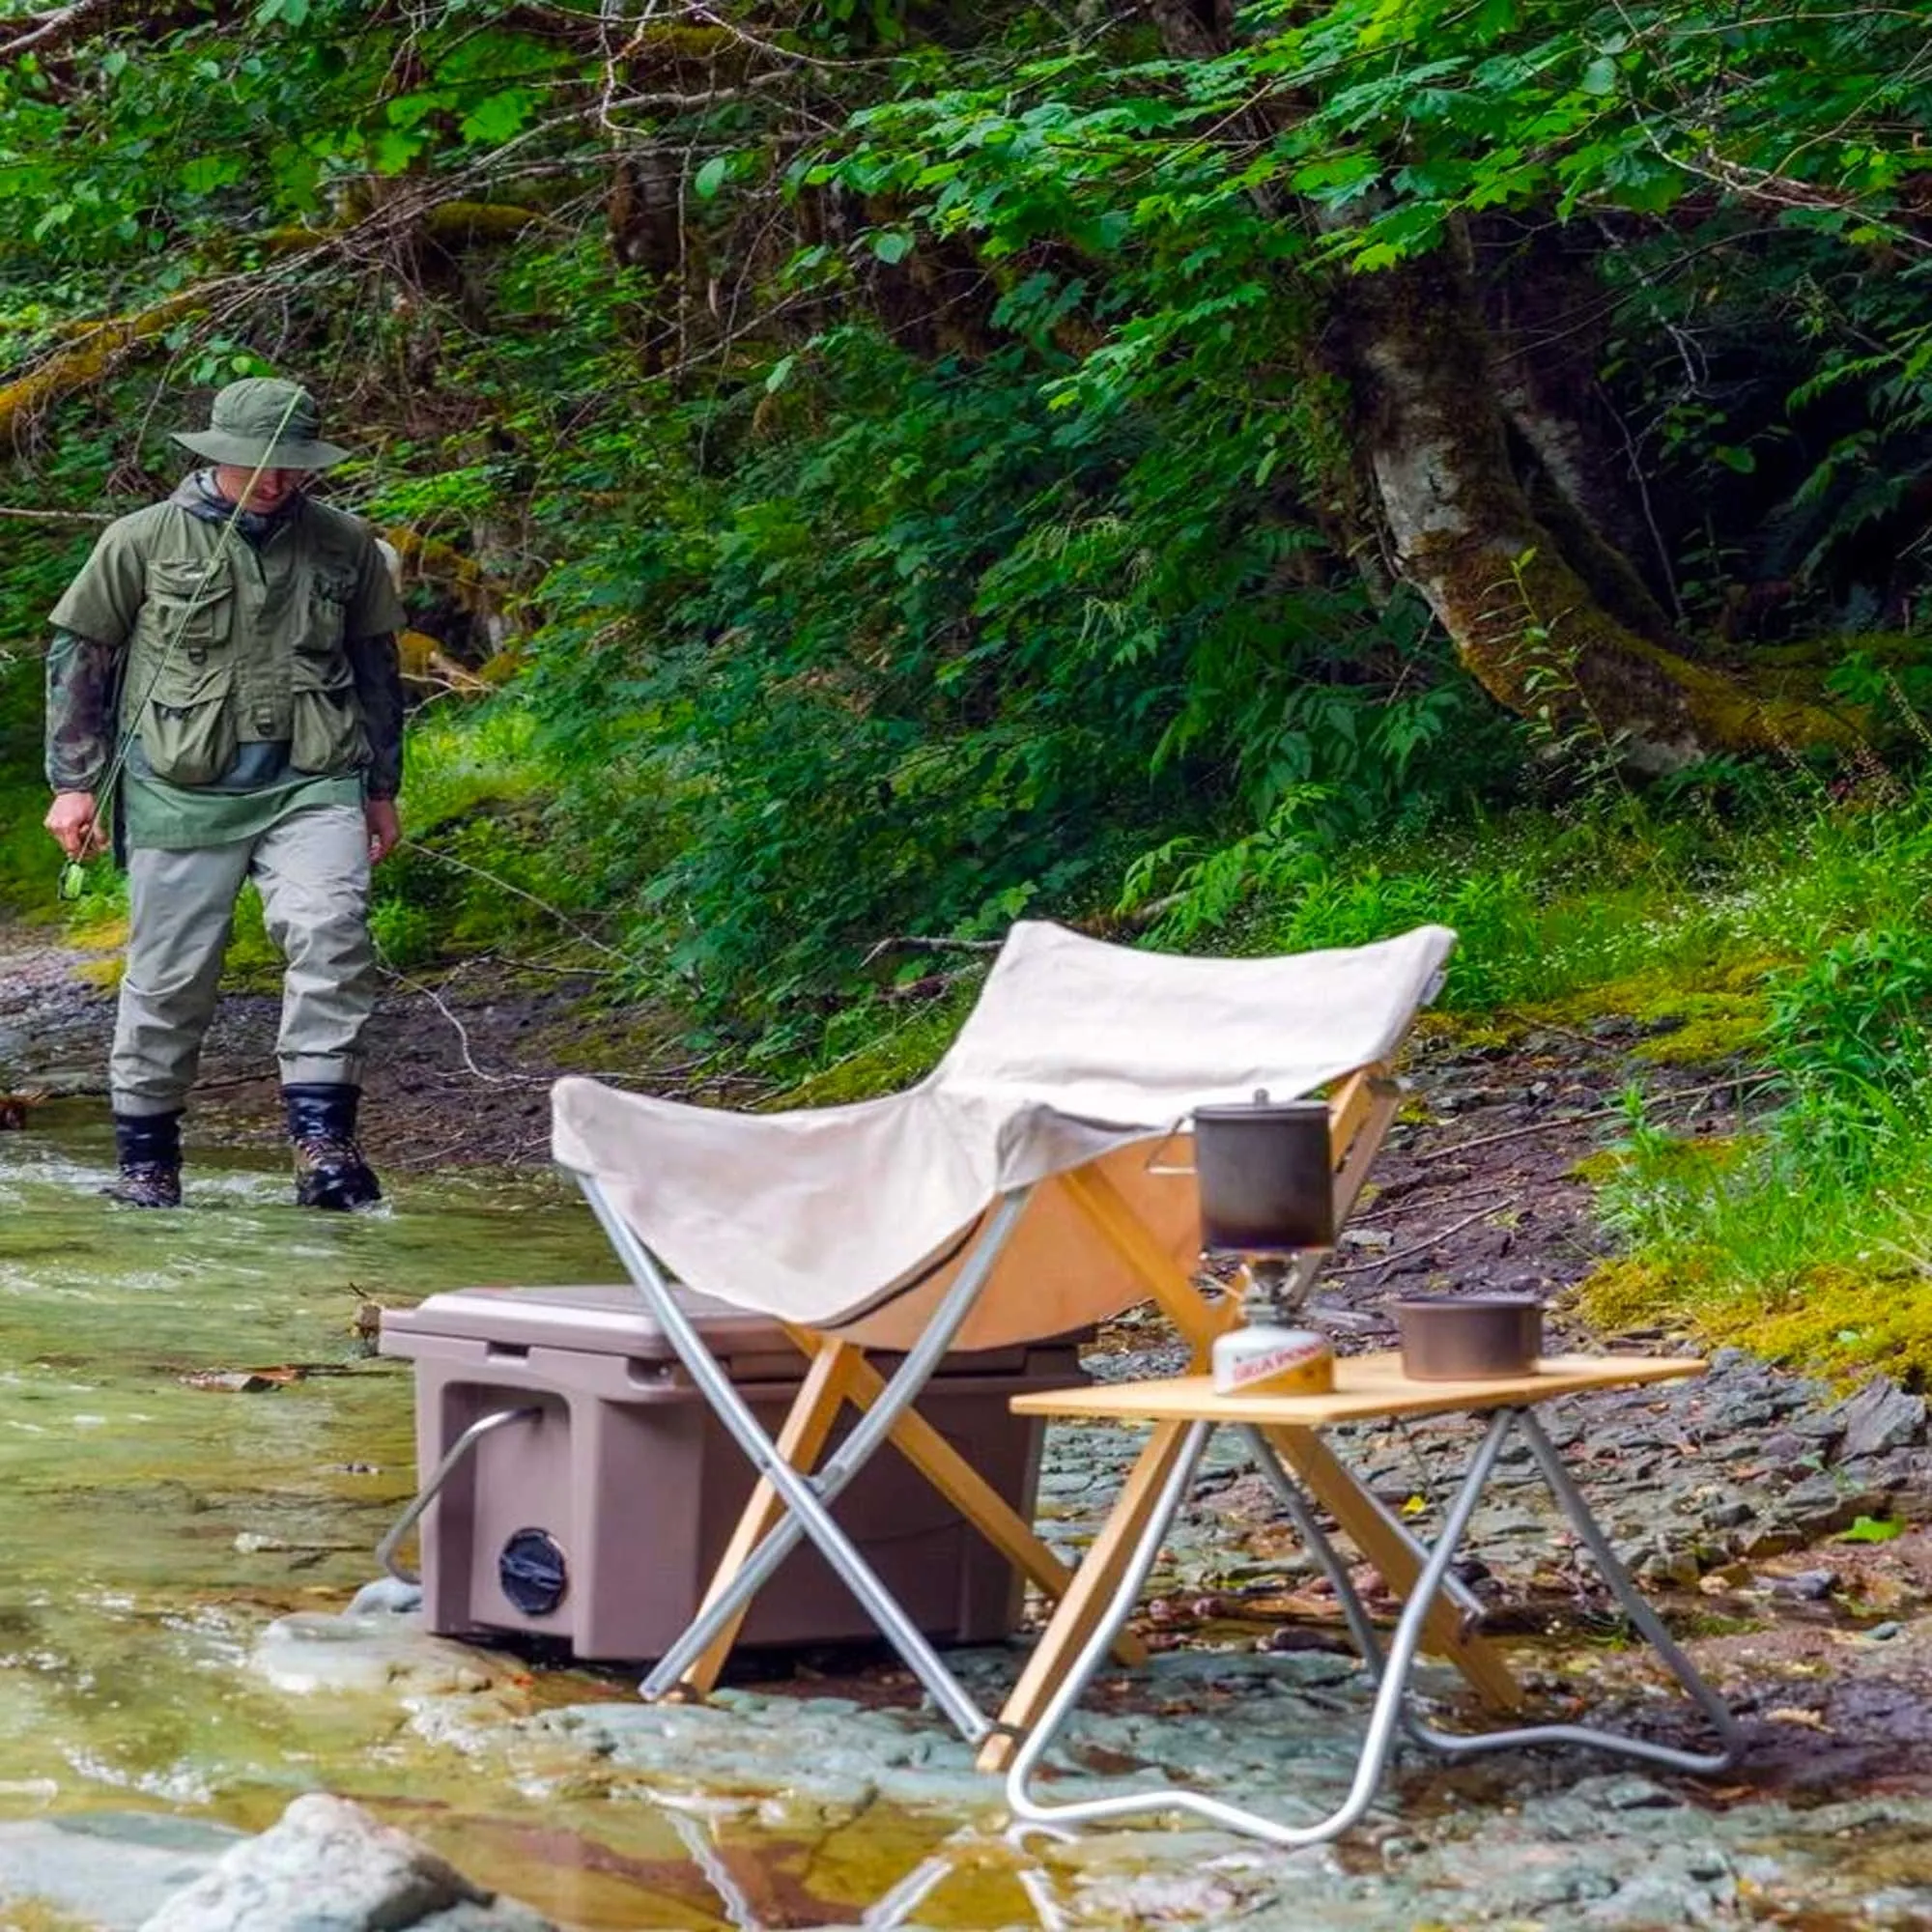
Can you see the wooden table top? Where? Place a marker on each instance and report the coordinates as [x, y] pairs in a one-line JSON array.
[[1365, 1386]]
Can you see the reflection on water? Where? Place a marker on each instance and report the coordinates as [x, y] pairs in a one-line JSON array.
[[153, 1527]]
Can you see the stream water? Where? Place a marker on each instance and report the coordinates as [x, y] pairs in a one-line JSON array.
[[155, 1523]]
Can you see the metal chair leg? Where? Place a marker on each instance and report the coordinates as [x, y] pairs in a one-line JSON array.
[[807, 1499]]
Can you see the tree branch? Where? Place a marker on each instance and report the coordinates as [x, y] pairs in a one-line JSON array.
[[58, 29], [919, 943]]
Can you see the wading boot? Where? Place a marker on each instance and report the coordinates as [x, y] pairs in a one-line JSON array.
[[330, 1169], [146, 1146]]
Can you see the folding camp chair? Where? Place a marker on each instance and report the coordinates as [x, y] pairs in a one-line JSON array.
[[1008, 1197]]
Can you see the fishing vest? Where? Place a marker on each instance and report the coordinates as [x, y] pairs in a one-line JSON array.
[[236, 644]]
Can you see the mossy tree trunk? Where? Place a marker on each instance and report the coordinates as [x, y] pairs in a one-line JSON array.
[[1545, 610], [1526, 618], [94, 352]]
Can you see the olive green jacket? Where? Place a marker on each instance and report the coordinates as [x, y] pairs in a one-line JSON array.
[[287, 640]]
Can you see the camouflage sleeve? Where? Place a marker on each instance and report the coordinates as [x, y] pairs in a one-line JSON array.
[[81, 676], [378, 691]]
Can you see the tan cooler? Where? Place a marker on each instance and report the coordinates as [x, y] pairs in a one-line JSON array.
[[601, 1520]]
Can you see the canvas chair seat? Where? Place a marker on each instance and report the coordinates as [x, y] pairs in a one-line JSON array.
[[1008, 1197], [856, 1220]]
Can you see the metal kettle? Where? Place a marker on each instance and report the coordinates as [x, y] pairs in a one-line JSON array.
[[1265, 1174]]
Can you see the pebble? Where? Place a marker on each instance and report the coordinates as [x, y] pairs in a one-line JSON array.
[[1813, 1585]]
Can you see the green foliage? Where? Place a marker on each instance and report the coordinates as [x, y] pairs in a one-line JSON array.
[[1873, 1529], [1809, 1238], [910, 456], [934, 664], [1851, 1031], [480, 869]]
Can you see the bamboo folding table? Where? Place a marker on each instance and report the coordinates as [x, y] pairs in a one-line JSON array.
[[1185, 1412]]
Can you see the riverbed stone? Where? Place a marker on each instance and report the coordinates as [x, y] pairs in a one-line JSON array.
[[1811, 1585], [1881, 1416], [106, 1869], [313, 1652], [328, 1866]]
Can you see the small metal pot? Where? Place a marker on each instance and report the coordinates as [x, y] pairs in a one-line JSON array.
[[1453, 1337], [1266, 1176]]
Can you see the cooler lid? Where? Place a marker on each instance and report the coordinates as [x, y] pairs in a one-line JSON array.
[[595, 1320]]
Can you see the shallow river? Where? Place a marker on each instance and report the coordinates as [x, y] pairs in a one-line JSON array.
[[152, 1527]]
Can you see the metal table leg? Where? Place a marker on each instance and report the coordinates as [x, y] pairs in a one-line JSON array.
[[1392, 1690], [1729, 1737], [1301, 1514]]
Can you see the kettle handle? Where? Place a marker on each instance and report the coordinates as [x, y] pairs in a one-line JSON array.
[[1160, 1146]]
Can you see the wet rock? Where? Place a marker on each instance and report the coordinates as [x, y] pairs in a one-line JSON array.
[[1466, 1099], [1162, 1899], [1740, 1416], [1873, 1479], [388, 1595], [109, 1869], [1505, 1524], [1813, 1499], [1304, 1637], [1668, 1564], [1821, 1426], [1912, 1479], [1630, 1793], [311, 1652], [1881, 1416], [329, 1866], [1065, 1482], [1728, 1514]]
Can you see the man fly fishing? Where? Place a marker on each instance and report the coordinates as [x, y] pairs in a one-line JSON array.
[[227, 659]]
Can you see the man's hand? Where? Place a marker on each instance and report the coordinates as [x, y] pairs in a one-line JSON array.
[[386, 829], [70, 818]]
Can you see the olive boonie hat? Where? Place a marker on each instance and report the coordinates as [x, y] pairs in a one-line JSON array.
[[264, 420]]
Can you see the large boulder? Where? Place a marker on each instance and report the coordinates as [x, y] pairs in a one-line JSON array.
[[326, 1866]]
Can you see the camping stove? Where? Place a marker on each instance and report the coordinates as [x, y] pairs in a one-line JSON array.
[[1267, 1352]]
